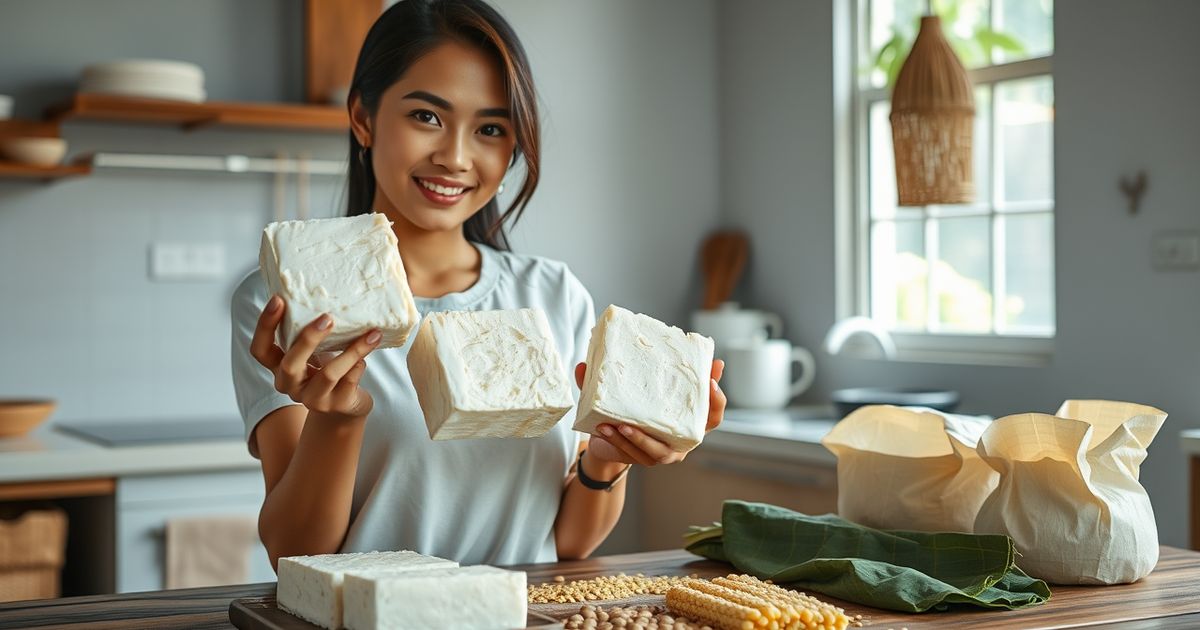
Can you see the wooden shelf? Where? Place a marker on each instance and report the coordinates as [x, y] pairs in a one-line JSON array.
[[17, 128], [280, 116], [16, 170]]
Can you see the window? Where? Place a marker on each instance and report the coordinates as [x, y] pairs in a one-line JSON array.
[[978, 277]]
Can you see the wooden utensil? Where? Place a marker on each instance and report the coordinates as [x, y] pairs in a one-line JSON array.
[[722, 260]]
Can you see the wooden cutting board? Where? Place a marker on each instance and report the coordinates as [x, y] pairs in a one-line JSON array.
[[261, 613]]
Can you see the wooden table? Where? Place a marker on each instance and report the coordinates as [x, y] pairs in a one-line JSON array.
[[1168, 598]]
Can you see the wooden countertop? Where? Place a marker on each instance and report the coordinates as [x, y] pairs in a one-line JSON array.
[[1167, 598]]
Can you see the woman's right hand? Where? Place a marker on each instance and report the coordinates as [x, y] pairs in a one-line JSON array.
[[330, 389]]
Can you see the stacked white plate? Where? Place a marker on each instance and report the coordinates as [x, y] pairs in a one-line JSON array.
[[146, 78]]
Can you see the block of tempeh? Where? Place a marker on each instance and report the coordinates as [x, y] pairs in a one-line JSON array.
[[743, 602]]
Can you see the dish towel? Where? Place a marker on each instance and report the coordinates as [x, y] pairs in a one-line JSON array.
[[209, 550], [891, 569]]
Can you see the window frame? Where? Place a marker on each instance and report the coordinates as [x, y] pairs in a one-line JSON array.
[[853, 267]]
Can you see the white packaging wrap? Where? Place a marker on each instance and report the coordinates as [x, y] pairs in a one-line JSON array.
[[911, 468], [1069, 494]]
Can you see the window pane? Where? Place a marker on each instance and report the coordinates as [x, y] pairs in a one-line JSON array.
[[962, 274], [1029, 273], [1030, 23], [882, 162], [898, 274], [890, 19], [1025, 139], [962, 21]]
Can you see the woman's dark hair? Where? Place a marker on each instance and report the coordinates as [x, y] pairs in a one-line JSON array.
[[402, 35]]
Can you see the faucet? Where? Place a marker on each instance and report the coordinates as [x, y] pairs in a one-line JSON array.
[[846, 328]]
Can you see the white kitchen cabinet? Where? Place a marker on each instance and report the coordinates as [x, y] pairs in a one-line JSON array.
[[144, 505], [691, 492]]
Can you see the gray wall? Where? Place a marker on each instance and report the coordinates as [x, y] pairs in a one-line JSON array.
[[629, 186], [1124, 100]]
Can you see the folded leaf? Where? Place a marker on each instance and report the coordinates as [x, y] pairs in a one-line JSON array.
[[896, 570]]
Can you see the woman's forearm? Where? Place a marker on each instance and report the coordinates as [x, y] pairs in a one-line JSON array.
[[586, 516], [308, 511]]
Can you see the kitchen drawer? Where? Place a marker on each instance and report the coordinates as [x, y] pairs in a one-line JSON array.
[[146, 504], [190, 487], [691, 492]]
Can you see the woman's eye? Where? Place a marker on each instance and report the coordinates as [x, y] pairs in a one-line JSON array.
[[426, 116], [494, 131]]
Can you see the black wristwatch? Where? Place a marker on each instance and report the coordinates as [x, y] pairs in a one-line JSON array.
[[593, 484]]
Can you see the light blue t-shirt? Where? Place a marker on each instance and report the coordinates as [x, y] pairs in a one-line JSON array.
[[485, 500]]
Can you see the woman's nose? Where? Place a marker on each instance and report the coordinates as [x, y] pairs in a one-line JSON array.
[[452, 152]]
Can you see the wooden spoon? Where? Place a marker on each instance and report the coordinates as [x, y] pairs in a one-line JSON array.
[[723, 258]]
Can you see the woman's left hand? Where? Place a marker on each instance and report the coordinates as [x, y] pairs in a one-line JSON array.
[[627, 444]]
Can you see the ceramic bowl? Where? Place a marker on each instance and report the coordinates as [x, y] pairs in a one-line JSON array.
[[36, 151], [19, 416]]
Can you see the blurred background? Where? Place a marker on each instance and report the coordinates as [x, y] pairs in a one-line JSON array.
[[696, 153]]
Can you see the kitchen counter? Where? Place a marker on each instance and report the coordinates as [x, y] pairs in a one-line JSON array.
[[1165, 599], [48, 454], [793, 434]]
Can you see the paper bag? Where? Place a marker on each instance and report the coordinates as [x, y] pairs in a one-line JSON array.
[[1069, 494], [910, 468]]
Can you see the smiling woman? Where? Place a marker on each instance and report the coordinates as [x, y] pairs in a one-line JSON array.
[[427, 109], [442, 105]]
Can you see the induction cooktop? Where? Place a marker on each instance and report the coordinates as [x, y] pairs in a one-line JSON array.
[[139, 432]]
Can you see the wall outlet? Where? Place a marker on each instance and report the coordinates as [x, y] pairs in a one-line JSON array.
[[1175, 250], [187, 261]]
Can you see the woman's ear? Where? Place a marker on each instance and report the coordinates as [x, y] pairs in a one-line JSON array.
[[360, 120]]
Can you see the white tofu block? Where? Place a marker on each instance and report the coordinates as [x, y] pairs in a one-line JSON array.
[[645, 373], [488, 374], [348, 267], [310, 587], [469, 598]]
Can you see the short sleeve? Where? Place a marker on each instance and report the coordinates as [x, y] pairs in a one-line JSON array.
[[253, 384]]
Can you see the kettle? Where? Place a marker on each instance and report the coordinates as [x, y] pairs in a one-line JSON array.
[[729, 325]]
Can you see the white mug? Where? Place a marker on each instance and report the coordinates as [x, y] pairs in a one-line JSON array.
[[758, 373], [729, 325]]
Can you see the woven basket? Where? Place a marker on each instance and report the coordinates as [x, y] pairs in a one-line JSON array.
[[32, 549], [933, 116]]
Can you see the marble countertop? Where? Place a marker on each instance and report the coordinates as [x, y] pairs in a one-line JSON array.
[[792, 434], [49, 454]]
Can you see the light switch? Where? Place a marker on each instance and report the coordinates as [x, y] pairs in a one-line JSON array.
[[1175, 250], [187, 261]]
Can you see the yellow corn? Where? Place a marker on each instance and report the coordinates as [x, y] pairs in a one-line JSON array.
[[797, 609], [766, 608], [720, 613]]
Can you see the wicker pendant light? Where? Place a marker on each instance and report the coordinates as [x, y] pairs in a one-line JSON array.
[[933, 115]]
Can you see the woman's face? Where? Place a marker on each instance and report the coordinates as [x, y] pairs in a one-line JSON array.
[[441, 139]]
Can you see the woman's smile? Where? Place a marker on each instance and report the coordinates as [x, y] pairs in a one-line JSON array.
[[442, 192]]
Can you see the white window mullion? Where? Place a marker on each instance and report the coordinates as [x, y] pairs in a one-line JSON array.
[[999, 282], [932, 312]]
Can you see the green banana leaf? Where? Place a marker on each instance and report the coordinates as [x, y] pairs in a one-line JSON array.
[[894, 570]]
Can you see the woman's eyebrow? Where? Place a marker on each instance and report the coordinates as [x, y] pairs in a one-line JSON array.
[[433, 99]]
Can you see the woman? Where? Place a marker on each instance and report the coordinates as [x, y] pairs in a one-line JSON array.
[[442, 105]]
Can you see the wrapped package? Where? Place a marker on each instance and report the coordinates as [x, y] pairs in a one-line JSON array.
[[1068, 491], [910, 468]]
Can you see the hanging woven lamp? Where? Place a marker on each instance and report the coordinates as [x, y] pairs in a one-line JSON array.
[[933, 117]]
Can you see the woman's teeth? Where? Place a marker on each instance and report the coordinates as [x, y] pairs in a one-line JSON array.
[[442, 190]]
